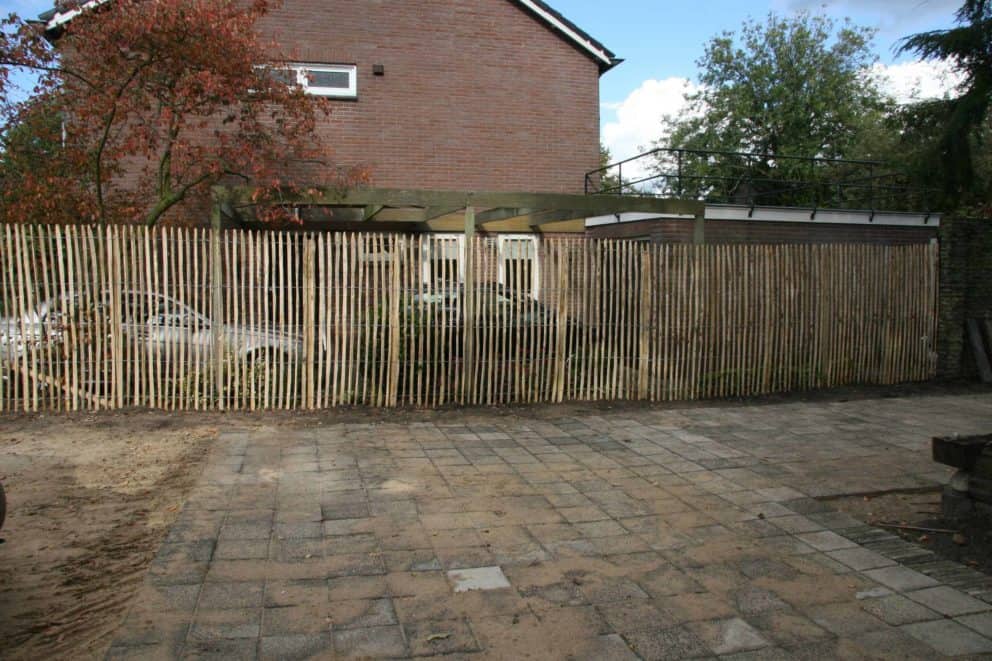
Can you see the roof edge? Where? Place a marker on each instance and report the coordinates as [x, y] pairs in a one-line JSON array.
[[54, 20], [579, 37]]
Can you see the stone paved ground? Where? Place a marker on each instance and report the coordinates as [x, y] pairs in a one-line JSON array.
[[638, 533]]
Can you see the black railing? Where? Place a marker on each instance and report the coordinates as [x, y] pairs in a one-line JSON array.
[[753, 179]]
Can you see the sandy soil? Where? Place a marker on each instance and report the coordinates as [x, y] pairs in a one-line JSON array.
[[89, 500]]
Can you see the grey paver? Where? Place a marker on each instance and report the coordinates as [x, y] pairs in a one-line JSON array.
[[982, 623], [896, 609], [371, 642], [295, 646], [478, 578], [860, 558], [950, 638], [948, 601], [216, 596], [900, 579], [667, 532], [826, 540], [671, 643], [728, 636], [440, 637]]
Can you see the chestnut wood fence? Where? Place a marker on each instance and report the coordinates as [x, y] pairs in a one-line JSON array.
[[105, 318]]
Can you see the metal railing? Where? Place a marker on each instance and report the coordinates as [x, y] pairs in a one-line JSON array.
[[753, 179]]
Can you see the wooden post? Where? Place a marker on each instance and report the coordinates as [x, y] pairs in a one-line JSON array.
[[309, 323], [216, 300], [468, 310], [646, 321], [699, 227]]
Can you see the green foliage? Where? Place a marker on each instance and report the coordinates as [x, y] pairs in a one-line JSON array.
[[945, 136], [609, 180], [795, 86]]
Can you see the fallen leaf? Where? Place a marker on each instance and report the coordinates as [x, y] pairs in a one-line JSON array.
[[438, 636]]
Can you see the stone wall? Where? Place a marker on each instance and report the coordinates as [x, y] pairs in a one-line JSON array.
[[965, 291]]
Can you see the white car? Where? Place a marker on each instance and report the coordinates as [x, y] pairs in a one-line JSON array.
[[166, 327]]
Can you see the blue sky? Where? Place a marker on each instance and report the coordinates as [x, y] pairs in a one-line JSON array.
[[662, 39]]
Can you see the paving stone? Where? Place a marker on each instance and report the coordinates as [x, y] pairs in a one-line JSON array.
[[478, 578], [440, 637], [788, 628], [751, 600], [891, 644], [684, 527], [222, 650], [671, 643], [602, 590], [982, 623], [826, 540], [860, 559], [896, 610], [217, 596], [221, 624], [635, 615], [371, 643], [291, 620], [950, 638], [361, 613], [242, 549], [611, 647], [948, 601], [336, 511], [797, 524], [728, 636], [900, 579], [295, 593], [295, 646]]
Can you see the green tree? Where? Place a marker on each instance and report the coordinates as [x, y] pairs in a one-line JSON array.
[[609, 180], [947, 134], [788, 86]]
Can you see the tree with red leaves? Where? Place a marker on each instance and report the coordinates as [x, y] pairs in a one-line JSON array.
[[142, 105]]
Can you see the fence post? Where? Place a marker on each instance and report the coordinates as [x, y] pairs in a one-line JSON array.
[[468, 311], [646, 318], [309, 321], [216, 301], [398, 244], [699, 227], [561, 321]]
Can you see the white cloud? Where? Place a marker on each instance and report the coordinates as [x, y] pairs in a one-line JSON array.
[[913, 81], [636, 121], [638, 118]]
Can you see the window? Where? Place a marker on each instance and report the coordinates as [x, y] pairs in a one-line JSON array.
[[443, 264], [334, 80], [518, 265]]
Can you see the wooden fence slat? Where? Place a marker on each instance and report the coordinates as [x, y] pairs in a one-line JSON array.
[[385, 320]]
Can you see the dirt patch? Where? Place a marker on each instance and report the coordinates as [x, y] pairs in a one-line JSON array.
[[89, 500], [972, 546]]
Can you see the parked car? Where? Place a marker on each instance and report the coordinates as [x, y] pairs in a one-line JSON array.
[[169, 329]]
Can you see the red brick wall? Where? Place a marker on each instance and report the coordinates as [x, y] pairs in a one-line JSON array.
[[734, 231], [476, 95]]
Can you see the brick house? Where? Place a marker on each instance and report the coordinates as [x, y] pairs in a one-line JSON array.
[[441, 98], [495, 95]]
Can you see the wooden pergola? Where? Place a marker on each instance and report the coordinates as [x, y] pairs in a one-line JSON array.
[[378, 209]]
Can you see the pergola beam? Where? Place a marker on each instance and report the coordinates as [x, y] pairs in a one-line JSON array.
[[555, 216], [505, 213], [587, 205]]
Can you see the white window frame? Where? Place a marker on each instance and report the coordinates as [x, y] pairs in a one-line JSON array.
[[300, 69], [428, 257], [535, 271]]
